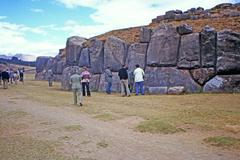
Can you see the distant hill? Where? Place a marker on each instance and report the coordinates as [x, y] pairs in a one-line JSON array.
[[20, 56], [15, 60]]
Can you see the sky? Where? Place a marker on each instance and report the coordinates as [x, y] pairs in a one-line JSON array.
[[41, 27]]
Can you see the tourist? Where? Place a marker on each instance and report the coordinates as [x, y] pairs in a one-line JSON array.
[[138, 78], [108, 80], [0, 77], [21, 71], [15, 77], [75, 82], [85, 75], [5, 78], [123, 75], [50, 77]]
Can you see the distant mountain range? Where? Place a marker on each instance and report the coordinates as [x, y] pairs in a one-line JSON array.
[[20, 56]]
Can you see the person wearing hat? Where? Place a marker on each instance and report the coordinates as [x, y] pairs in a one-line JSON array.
[[85, 75]]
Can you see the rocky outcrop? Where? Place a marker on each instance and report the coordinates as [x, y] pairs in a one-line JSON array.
[[145, 35], [163, 47], [228, 51], [115, 52], [67, 72], [202, 75], [73, 49], [184, 29], [84, 59]]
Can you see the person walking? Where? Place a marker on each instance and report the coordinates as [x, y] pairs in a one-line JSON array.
[[108, 80], [5, 78], [123, 75], [139, 79], [85, 75], [21, 71], [50, 77], [75, 82]]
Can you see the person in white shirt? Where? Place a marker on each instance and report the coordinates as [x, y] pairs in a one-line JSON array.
[[139, 79]]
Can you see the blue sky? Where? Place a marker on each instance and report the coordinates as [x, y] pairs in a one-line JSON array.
[[41, 27]]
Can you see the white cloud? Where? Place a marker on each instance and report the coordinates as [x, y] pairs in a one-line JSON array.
[[13, 40], [37, 10], [115, 14]]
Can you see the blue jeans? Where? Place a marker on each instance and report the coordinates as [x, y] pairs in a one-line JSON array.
[[109, 87], [137, 86]]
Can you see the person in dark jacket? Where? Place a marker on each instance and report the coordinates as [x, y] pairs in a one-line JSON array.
[[5, 78], [123, 75], [0, 77]]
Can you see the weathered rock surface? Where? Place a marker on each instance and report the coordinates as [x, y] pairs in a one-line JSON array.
[[170, 77], [176, 90], [228, 51], [184, 29], [202, 75], [115, 52], [67, 72], [137, 55], [145, 35], [73, 49], [189, 52], [115, 83], [41, 63], [94, 82], [84, 59], [163, 47], [223, 83], [208, 46], [157, 90], [96, 56]]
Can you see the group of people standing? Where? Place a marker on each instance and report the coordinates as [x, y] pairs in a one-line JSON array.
[[80, 86], [11, 76], [125, 80]]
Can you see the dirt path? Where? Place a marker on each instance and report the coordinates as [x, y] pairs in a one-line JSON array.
[[95, 139]]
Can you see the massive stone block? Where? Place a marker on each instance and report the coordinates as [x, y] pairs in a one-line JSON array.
[[73, 49], [223, 83], [115, 83], [94, 82], [67, 72], [170, 77], [137, 55], [49, 64], [202, 75], [208, 47], [115, 52], [189, 52], [163, 47], [84, 59], [41, 63], [60, 66], [96, 56], [145, 35], [228, 51], [184, 29]]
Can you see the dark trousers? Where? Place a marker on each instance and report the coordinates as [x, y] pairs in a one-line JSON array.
[[86, 85]]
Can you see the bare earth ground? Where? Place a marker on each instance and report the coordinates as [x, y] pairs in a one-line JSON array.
[[35, 129]]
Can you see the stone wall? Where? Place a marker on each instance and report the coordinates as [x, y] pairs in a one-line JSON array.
[[175, 60]]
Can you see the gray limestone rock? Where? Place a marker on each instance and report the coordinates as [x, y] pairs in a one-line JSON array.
[[223, 83], [96, 56], [84, 59], [208, 46], [41, 63], [157, 90], [176, 90], [184, 29], [73, 49], [145, 35], [189, 52], [202, 75], [170, 77], [137, 55], [94, 82], [228, 52], [163, 47], [115, 52]]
